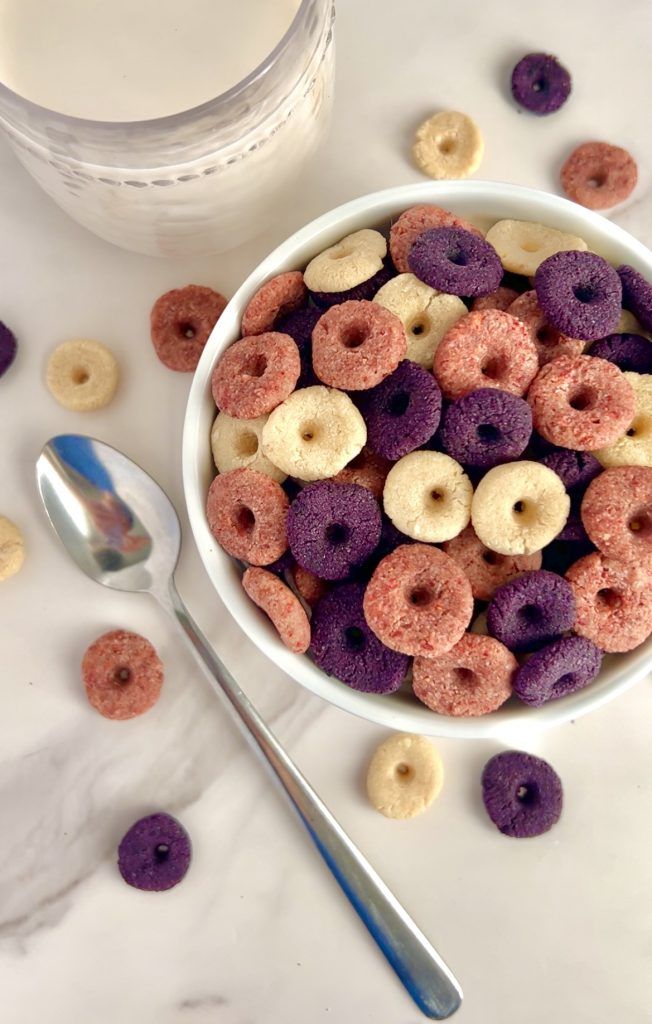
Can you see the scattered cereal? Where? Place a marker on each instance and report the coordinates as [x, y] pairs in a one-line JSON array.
[[540, 83], [8, 348], [181, 321], [522, 794], [448, 145], [12, 548], [123, 674], [155, 853], [82, 375], [405, 776], [598, 175]]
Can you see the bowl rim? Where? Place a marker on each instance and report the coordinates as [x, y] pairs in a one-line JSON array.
[[322, 231]]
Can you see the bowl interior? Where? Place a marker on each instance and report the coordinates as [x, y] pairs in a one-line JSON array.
[[483, 203]]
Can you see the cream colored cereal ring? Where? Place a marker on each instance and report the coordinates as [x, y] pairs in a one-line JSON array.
[[82, 375], [405, 776], [448, 145], [519, 507], [347, 263], [634, 447], [314, 433], [237, 443], [522, 244], [12, 548], [426, 314], [628, 324], [427, 496]]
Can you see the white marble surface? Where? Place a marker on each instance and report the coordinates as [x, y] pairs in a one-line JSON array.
[[554, 929]]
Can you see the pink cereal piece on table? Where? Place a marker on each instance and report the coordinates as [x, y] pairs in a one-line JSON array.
[[277, 297], [418, 601], [414, 222], [281, 606], [485, 569], [581, 402], [473, 678], [181, 321], [256, 374], [368, 470], [613, 600], [599, 175], [550, 343], [356, 344], [486, 349], [246, 512], [309, 586], [502, 298], [122, 674], [617, 512]]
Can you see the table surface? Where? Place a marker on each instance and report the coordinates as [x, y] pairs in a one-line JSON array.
[[551, 929]]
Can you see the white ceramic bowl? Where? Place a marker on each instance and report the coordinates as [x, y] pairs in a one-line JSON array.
[[483, 203]]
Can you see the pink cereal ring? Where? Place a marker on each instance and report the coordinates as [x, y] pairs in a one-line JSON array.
[[277, 297], [617, 512], [255, 375], [414, 222], [281, 605], [487, 349], [309, 586], [122, 674], [485, 569], [246, 512], [418, 601], [549, 342], [613, 600], [368, 470], [581, 402], [473, 678], [502, 298], [356, 344], [180, 323]]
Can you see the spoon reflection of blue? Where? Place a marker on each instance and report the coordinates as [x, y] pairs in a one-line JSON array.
[[78, 452]]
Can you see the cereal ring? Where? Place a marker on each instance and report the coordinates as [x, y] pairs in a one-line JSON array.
[[348, 263], [123, 674], [637, 295], [490, 349], [246, 514], [455, 261], [581, 402], [473, 678], [426, 315], [614, 601], [344, 646], [236, 443], [540, 83], [181, 322], [82, 375], [448, 145], [155, 853], [558, 669], [281, 606], [418, 601], [617, 512], [486, 427], [522, 244], [549, 342], [278, 297], [413, 222], [631, 353], [628, 324], [368, 470], [485, 569], [12, 548], [405, 776], [356, 344], [531, 610], [314, 433], [300, 325], [598, 175], [579, 293], [333, 528], [256, 374], [402, 412], [428, 496], [364, 291], [502, 298], [634, 447], [8, 348], [575, 470], [519, 507], [309, 586], [522, 794]]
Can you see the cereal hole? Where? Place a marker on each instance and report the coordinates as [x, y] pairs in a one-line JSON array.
[[607, 597], [420, 597], [457, 257], [354, 638], [519, 507], [419, 326], [246, 444], [584, 293], [530, 613], [527, 793], [547, 335], [565, 683], [488, 433], [341, 252], [582, 399], [244, 518], [308, 432], [529, 246], [492, 557], [446, 144], [162, 852], [122, 675], [465, 675], [337, 533], [358, 462], [597, 180], [403, 771], [491, 368], [437, 496], [354, 336], [640, 427], [539, 85], [187, 330], [397, 404], [641, 524], [80, 375]]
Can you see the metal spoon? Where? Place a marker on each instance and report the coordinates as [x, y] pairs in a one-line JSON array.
[[122, 531]]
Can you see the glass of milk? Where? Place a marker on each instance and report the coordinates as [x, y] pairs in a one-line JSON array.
[[170, 128]]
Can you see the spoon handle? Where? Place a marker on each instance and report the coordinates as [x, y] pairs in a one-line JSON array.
[[422, 971]]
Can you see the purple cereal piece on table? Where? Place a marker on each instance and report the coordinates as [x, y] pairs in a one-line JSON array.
[[579, 293], [8, 348], [333, 528], [632, 353], [522, 794], [531, 610], [366, 290], [155, 853], [486, 427], [540, 83], [402, 412], [637, 295], [562, 667], [455, 261]]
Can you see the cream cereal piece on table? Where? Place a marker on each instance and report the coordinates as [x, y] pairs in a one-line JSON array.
[[237, 443], [427, 496], [12, 548], [405, 776], [519, 507], [522, 244], [448, 145], [425, 313], [82, 375], [314, 433], [348, 263], [634, 447]]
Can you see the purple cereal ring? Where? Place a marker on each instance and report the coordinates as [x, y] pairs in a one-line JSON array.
[[246, 512], [522, 794], [486, 427], [412, 223], [256, 374], [631, 353], [576, 470], [486, 570], [279, 296], [540, 83], [355, 345], [549, 342], [333, 528], [501, 298], [402, 412], [490, 349], [614, 601], [473, 678], [281, 606], [364, 291], [579, 294], [368, 470], [154, 854], [581, 402], [531, 610], [562, 667], [344, 646], [299, 325], [637, 295], [617, 512], [455, 261], [8, 348]]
